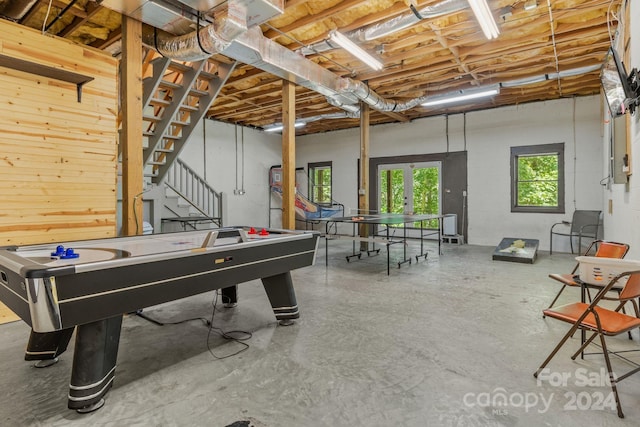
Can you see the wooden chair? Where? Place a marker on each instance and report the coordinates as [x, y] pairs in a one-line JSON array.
[[604, 249], [583, 224], [601, 322]]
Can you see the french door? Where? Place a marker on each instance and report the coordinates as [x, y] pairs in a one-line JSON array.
[[410, 188]]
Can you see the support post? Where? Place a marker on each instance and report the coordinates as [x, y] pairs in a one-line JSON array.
[[363, 189], [288, 155], [131, 138]]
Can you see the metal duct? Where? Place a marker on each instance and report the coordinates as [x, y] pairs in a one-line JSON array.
[[398, 23], [348, 108], [228, 23], [200, 44], [328, 116], [175, 18], [15, 10], [254, 49], [226, 36]]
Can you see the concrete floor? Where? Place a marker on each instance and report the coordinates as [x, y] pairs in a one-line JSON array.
[[432, 344]]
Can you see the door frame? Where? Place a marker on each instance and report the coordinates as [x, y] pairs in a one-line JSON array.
[[408, 169], [453, 181]]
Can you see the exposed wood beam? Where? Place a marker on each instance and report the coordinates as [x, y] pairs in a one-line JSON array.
[[113, 37], [91, 10], [396, 116], [131, 86], [310, 19], [288, 155], [363, 187]]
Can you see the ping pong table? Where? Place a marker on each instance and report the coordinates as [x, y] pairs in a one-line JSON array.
[[369, 235]]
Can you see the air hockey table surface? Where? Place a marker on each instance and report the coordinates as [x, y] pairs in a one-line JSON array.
[[94, 252]]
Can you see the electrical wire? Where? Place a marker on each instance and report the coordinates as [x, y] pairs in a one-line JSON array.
[[238, 336], [464, 129], [204, 146], [446, 118], [46, 17], [135, 212], [610, 13], [575, 155], [244, 335], [242, 158], [555, 49], [235, 128]]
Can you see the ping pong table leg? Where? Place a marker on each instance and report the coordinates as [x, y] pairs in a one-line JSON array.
[[440, 235], [404, 246]]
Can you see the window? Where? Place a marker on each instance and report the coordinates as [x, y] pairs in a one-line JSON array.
[[537, 178], [320, 182]]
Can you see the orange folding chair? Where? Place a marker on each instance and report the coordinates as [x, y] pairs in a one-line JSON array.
[[604, 249], [601, 322]]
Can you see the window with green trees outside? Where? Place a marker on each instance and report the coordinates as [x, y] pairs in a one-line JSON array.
[[537, 178], [320, 182]]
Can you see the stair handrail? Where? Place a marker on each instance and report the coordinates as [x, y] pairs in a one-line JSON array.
[[195, 190]]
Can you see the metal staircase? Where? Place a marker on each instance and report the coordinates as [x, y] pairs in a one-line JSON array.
[[183, 181], [176, 96]]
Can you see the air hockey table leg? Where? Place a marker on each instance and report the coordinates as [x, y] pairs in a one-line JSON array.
[[45, 347], [230, 296], [94, 363], [282, 297]]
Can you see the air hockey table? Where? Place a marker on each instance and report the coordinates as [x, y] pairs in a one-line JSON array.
[[89, 285]]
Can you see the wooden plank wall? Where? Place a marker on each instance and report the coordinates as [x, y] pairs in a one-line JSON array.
[[58, 156]]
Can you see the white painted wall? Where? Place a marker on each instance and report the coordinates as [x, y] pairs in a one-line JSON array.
[[211, 152], [622, 223], [489, 136]]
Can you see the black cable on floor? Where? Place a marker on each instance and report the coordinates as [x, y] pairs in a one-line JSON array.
[[228, 335]]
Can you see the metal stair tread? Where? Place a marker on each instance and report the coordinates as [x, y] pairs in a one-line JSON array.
[[167, 136], [187, 107], [178, 66], [158, 101], [165, 103], [198, 92], [171, 85], [207, 75]]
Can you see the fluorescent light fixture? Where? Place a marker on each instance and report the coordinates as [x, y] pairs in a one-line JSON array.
[[462, 95], [485, 18], [344, 42], [277, 128], [530, 4]]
